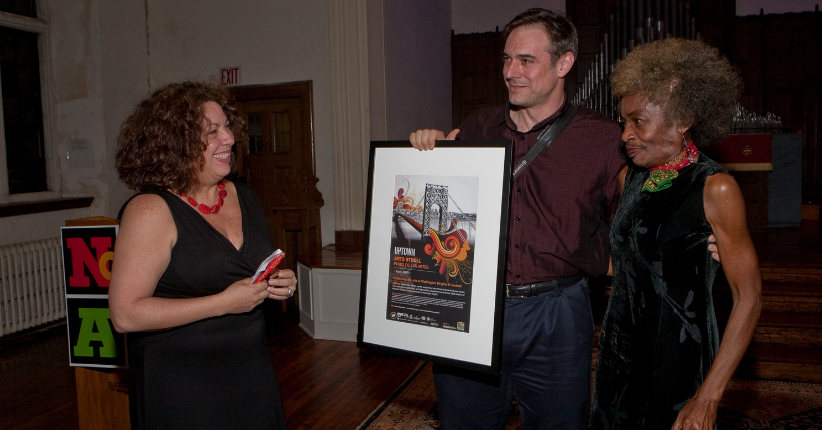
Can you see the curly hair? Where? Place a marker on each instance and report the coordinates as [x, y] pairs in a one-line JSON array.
[[693, 84], [563, 33], [160, 144]]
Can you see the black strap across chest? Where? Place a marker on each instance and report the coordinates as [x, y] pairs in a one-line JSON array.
[[545, 138]]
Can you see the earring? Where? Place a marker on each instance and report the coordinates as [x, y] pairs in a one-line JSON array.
[[685, 142]]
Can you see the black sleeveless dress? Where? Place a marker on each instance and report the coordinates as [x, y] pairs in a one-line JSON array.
[[215, 373], [659, 336]]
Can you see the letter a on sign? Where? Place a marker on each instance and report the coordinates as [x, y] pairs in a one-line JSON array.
[[93, 342], [95, 318]]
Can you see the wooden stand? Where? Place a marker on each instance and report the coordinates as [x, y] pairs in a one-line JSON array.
[[102, 398], [102, 394]]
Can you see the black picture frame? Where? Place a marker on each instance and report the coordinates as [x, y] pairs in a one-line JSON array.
[[434, 259]]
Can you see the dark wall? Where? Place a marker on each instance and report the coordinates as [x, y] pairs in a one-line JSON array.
[[591, 19], [780, 59], [476, 73]]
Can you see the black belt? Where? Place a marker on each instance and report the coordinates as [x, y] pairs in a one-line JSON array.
[[537, 288]]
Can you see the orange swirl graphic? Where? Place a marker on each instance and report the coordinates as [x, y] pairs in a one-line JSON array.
[[449, 249]]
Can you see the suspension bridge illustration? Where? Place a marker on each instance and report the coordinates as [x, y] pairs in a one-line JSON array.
[[448, 234]]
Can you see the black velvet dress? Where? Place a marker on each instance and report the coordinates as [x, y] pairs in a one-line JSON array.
[[659, 336], [214, 373]]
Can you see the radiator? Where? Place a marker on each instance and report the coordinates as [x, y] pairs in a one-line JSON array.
[[31, 285]]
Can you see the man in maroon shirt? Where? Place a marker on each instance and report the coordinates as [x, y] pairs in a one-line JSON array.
[[561, 209]]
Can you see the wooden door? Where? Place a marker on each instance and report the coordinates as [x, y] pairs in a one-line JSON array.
[[277, 162]]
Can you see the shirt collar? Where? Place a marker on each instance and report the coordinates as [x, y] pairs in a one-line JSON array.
[[505, 117]]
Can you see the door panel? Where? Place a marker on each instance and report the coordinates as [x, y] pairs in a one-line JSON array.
[[278, 163]]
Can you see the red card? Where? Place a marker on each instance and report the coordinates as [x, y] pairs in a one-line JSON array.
[[267, 266]]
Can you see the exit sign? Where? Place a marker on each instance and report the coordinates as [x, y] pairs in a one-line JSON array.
[[230, 75]]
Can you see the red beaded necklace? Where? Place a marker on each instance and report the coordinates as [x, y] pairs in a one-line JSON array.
[[205, 209]]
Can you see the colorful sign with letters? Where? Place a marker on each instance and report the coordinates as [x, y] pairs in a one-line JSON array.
[[88, 253]]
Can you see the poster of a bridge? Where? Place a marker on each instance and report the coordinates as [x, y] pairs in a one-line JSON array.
[[432, 250]]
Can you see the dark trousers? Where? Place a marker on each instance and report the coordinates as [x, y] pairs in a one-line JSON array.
[[546, 362]]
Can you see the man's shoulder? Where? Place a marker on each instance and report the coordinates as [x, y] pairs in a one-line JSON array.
[[593, 133], [483, 123], [592, 124], [485, 115], [592, 117]]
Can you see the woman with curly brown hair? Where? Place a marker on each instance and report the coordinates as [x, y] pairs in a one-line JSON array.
[[188, 245], [660, 360]]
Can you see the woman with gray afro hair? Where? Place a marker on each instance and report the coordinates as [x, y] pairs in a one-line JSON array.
[[688, 79], [661, 363]]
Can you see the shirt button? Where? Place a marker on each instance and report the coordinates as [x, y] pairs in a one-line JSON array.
[[519, 218], [522, 137], [516, 276], [519, 190], [516, 246]]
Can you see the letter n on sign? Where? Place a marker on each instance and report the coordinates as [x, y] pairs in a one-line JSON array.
[[230, 75], [88, 253]]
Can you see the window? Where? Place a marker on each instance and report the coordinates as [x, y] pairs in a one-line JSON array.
[[19, 7], [22, 138]]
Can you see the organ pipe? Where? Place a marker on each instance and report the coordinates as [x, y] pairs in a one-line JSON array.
[[633, 22]]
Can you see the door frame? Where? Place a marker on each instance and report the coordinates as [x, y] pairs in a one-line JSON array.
[[299, 89]]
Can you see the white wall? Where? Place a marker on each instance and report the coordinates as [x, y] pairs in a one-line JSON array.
[[479, 16], [152, 43], [107, 55], [125, 77], [272, 42], [74, 108]]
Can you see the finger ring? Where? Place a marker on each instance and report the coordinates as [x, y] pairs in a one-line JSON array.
[[290, 293]]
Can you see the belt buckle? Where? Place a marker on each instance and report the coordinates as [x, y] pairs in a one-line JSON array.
[[517, 294], [509, 295]]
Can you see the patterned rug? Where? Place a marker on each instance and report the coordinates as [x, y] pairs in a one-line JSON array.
[[761, 405]]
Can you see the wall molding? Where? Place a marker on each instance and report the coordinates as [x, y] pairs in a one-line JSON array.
[[51, 205]]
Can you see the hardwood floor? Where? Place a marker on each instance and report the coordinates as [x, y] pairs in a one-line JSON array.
[[38, 390], [325, 384], [330, 384]]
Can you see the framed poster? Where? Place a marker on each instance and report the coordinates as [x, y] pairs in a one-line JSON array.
[[434, 259]]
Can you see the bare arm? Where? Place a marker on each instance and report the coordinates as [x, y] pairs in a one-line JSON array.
[[623, 172], [725, 211], [426, 139], [142, 253]]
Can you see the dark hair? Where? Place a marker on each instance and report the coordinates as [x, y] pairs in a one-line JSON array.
[[689, 80], [563, 33], [160, 144]]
